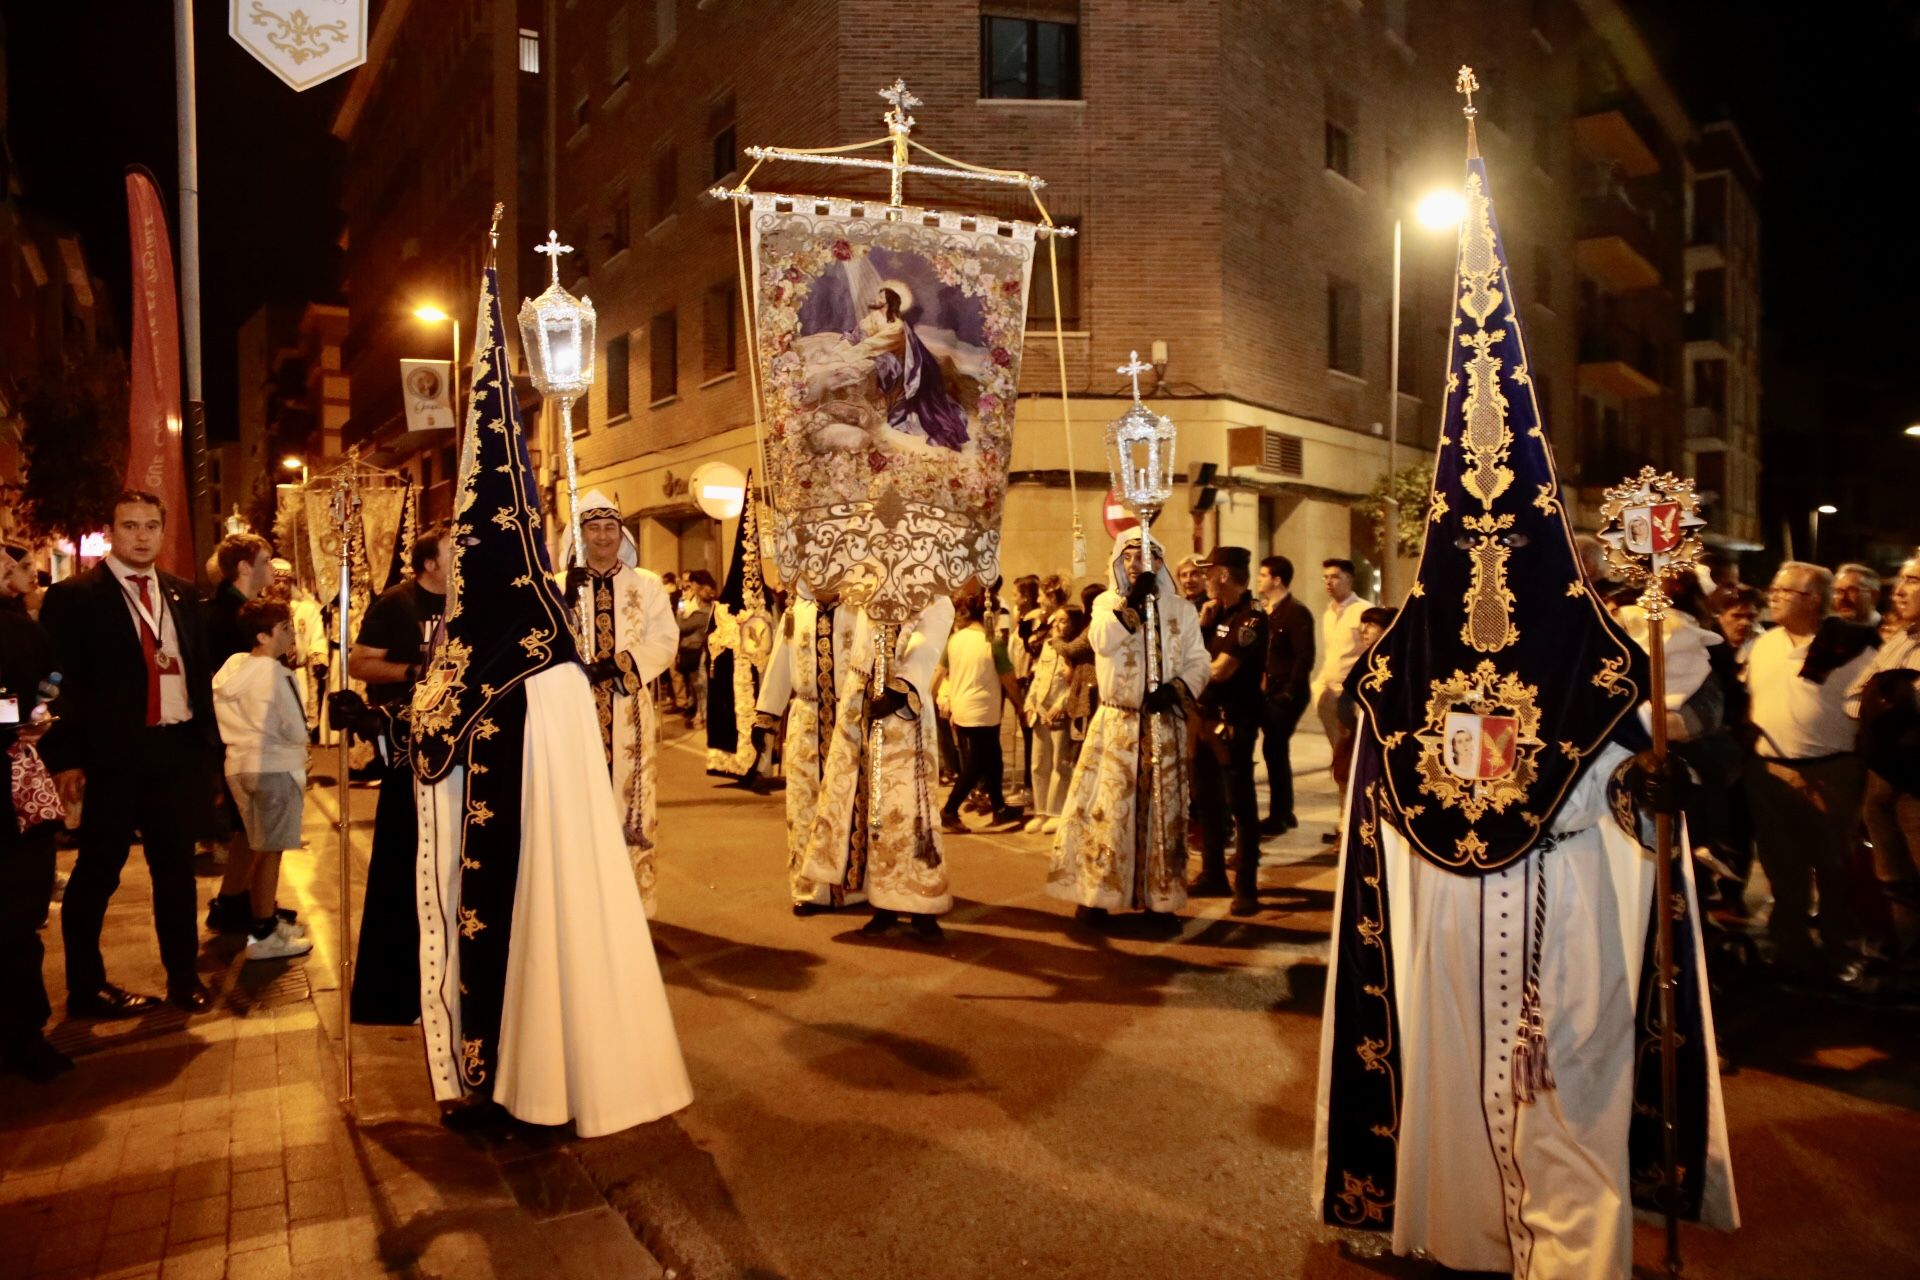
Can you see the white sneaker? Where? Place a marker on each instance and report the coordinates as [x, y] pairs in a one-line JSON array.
[[277, 946], [1034, 824], [1052, 827], [290, 928]]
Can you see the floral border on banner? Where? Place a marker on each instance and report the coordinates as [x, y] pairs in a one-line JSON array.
[[895, 521]]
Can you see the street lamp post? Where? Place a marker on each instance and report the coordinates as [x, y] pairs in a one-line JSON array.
[[431, 314], [1824, 509], [1436, 211], [294, 462]]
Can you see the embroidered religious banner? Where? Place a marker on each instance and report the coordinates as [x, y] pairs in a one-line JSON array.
[[304, 42], [891, 358]]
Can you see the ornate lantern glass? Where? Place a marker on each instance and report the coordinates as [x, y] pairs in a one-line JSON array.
[[556, 332], [1140, 458]]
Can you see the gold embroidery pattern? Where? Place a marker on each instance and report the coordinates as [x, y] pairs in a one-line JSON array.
[[1378, 673], [1361, 1201], [1480, 294], [478, 813], [1575, 590], [1488, 627], [470, 923], [436, 701], [1484, 692], [1485, 439], [473, 1067], [1548, 504], [1612, 675]]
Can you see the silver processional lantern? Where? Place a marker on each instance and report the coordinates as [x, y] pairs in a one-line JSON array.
[[557, 338], [1140, 452]]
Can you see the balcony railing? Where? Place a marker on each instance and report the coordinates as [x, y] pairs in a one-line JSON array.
[[1618, 246]]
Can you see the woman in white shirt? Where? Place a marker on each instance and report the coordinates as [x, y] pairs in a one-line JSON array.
[[1047, 715]]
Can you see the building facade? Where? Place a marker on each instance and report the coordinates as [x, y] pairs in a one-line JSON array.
[[1234, 170], [447, 116], [1722, 375]]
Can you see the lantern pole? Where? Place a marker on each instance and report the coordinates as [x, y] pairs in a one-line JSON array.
[[346, 509], [536, 336], [1651, 520], [1144, 494]]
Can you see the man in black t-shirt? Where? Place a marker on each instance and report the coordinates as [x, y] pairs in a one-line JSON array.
[[390, 654], [391, 650]]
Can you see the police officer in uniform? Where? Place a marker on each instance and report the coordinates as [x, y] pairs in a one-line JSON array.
[[1235, 629]]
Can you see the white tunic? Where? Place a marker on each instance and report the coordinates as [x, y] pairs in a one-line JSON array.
[[585, 1031], [642, 637], [1094, 854], [905, 864], [1540, 1189], [791, 687]]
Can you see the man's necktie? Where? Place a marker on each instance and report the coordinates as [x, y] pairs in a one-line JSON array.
[[149, 648]]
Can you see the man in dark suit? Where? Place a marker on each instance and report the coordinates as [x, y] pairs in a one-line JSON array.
[[137, 695], [1285, 695]]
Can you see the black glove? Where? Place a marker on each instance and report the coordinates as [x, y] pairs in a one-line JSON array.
[[603, 671], [347, 711], [888, 703], [1164, 699], [758, 737], [1145, 585], [1658, 786], [577, 577]]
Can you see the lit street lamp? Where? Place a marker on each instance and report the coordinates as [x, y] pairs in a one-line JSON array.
[[1436, 211], [430, 314], [1824, 509], [557, 338], [294, 462]]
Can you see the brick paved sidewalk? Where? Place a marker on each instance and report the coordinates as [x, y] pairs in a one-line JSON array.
[[216, 1146]]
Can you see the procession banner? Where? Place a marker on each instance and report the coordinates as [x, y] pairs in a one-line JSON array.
[[891, 354], [155, 462], [427, 388], [304, 42]]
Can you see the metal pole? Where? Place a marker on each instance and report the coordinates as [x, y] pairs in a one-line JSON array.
[[1663, 891], [343, 505], [573, 516], [453, 388], [185, 130], [1392, 522], [1813, 548], [886, 635], [1156, 815]]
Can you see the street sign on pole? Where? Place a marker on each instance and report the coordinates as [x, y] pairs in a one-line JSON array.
[[1115, 515], [304, 42]]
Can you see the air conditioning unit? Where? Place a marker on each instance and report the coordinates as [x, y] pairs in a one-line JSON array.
[[1266, 449]]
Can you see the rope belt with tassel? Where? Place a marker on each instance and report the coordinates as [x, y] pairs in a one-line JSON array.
[[1532, 1074]]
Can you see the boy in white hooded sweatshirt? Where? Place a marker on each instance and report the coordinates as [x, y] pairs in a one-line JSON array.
[[265, 731]]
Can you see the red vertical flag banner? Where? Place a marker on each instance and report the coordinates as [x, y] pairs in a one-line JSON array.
[[155, 461]]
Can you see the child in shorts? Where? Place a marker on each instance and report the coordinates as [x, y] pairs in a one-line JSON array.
[[264, 728]]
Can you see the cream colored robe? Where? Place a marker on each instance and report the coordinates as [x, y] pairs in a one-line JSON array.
[[1094, 859], [792, 687], [893, 848]]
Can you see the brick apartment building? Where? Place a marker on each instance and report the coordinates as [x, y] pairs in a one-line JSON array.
[[1234, 169], [447, 116]]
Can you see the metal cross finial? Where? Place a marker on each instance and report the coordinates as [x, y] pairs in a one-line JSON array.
[[1133, 369], [898, 121], [493, 229], [1467, 83], [553, 249]]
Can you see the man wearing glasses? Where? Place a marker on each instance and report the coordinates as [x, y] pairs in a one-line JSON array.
[[1805, 778]]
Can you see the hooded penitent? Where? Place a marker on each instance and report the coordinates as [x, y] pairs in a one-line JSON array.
[[1493, 713], [539, 984], [739, 645]]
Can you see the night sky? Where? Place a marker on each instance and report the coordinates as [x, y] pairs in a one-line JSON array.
[[1828, 102]]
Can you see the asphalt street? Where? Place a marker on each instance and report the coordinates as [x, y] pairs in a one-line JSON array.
[[1033, 1097]]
